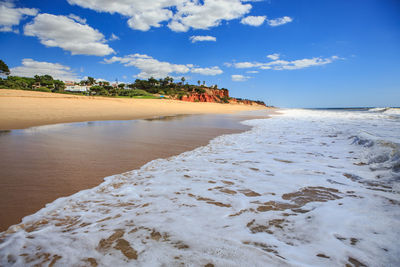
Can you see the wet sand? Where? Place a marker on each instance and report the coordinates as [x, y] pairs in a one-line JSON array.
[[41, 164]]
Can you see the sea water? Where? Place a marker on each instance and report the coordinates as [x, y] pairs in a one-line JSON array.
[[304, 188]]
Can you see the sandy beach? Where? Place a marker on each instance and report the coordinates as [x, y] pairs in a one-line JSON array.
[[44, 163], [21, 109]]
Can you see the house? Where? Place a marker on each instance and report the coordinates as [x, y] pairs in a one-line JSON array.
[[36, 85], [77, 88], [69, 83]]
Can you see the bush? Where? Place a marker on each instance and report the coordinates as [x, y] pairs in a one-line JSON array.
[[200, 90], [225, 99], [138, 92]]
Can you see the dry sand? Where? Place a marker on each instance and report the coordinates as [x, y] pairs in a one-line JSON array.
[[22, 109]]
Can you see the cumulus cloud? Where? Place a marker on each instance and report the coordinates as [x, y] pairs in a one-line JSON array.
[[181, 15], [279, 21], [30, 68], [151, 67], [278, 64], [253, 20], [11, 16], [148, 66], [68, 34], [239, 78], [200, 38], [252, 71], [207, 71], [193, 14]]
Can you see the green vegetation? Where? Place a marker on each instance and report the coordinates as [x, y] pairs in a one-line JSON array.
[[4, 70], [44, 83], [150, 88]]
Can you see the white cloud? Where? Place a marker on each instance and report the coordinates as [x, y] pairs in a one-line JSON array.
[[278, 64], [11, 16], [207, 71], [279, 21], [239, 78], [113, 37], [181, 15], [246, 65], [200, 38], [77, 18], [30, 68], [253, 20], [66, 33], [193, 14], [252, 71], [150, 67], [274, 56]]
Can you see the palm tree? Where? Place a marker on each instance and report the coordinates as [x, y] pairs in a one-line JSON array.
[[91, 80], [4, 68]]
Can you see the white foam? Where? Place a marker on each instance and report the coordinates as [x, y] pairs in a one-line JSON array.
[[201, 206]]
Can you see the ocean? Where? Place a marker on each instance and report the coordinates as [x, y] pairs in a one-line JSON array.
[[303, 188]]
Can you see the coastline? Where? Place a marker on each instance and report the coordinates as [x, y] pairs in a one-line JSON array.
[[44, 163], [22, 109]]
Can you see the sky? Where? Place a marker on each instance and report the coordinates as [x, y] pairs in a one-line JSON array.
[[288, 53]]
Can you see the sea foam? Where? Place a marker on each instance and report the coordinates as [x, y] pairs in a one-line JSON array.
[[303, 188]]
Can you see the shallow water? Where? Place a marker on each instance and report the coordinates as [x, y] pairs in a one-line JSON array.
[[304, 188], [40, 164]]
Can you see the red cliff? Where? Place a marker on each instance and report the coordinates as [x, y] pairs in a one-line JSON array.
[[216, 96], [210, 95]]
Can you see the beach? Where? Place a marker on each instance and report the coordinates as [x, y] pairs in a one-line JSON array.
[[41, 164], [303, 188], [21, 109]]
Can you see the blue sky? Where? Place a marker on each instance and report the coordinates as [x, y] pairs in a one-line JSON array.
[[314, 53]]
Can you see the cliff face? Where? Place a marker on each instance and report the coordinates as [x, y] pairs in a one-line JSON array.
[[216, 96], [210, 95]]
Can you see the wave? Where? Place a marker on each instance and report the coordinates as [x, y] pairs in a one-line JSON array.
[[292, 191], [382, 156], [378, 109], [392, 111], [387, 110]]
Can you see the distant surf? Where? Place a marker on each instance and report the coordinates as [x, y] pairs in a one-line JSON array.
[[307, 187]]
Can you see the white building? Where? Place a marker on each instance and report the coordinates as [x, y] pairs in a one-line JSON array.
[[77, 88]]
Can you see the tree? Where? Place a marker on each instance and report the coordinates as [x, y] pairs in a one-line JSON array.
[[199, 82], [96, 89], [183, 79], [4, 68], [59, 86], [152, 81], [91, 80]]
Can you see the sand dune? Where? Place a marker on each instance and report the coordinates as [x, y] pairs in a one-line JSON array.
[[22, 109]]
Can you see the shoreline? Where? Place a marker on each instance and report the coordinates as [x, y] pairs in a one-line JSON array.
[[22, 109], [43, 163]]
